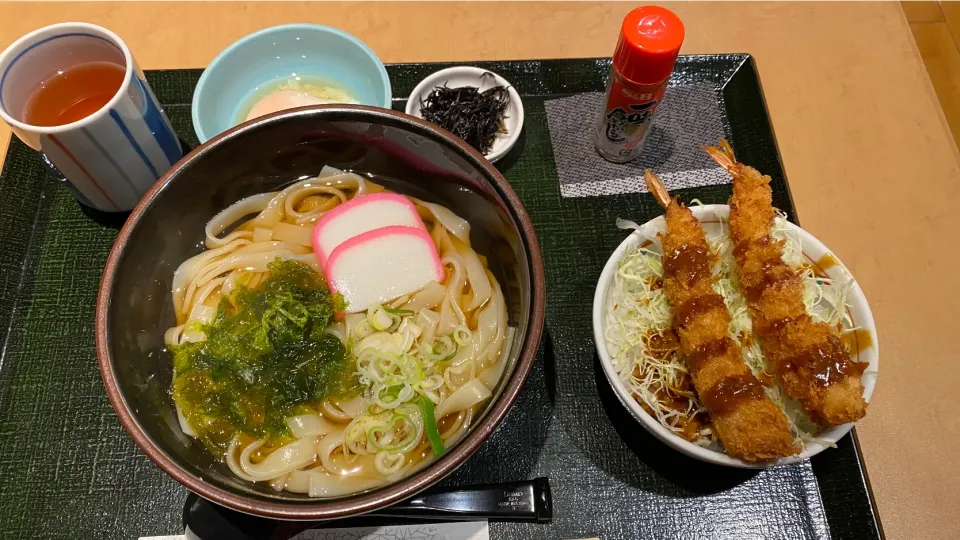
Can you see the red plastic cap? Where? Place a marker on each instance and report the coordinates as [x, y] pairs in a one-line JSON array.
[[649, 43]]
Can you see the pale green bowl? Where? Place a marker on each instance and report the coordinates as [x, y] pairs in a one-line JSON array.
[[238, 73]]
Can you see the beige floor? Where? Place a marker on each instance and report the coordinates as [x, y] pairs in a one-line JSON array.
[[936, 29]]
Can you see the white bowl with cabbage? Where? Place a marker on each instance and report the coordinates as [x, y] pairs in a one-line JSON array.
[[629, 307]]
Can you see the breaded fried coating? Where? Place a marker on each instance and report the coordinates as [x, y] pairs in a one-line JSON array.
[[812, 364], [746, 420]]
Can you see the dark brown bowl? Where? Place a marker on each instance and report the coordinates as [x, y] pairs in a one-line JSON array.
[[408, 155]]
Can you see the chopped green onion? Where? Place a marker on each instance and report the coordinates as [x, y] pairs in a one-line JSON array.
[[363, 329], [374, 434], [398, 311], [387, 437], [379, 318], [442, 350], [430, 425], [462, 335], [392, 391]]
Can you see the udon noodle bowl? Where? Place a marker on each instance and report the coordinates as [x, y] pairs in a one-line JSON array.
[[285, 388]]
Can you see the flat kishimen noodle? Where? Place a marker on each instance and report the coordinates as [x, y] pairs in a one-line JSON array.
[[286, 389]]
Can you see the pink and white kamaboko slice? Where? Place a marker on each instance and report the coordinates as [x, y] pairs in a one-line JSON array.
[[381, 265], [361, 215]]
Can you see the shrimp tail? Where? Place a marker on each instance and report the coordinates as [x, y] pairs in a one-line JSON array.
[[657, 189], [723, 155], [811, 363]]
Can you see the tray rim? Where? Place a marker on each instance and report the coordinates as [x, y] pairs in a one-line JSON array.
[[747, 63]]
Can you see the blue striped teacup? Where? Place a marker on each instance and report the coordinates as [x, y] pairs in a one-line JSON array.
[[111, 157]]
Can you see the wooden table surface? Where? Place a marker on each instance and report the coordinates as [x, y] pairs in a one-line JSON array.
[[871, 163]]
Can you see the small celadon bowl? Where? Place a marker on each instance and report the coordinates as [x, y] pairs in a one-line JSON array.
[[232, 82]]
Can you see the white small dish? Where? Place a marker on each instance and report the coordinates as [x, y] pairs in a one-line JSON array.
[[460, 76], [713, 217]]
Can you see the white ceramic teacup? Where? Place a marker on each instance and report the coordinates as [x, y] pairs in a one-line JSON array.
[[111, 157]]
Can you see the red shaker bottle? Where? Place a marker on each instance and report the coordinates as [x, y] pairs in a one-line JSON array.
[[649, 43]]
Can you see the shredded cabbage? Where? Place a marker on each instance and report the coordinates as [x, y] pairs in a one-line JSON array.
[[639, 309]]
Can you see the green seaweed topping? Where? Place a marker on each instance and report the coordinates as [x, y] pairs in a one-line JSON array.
[[266, 356]]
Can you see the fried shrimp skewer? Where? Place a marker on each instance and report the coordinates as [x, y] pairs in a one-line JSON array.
[[746, 420], [812, 364]]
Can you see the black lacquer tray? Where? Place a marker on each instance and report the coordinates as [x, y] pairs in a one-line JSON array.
[[69, 470]]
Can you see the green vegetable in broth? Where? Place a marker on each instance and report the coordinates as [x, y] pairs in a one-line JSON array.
[[430, 426], [266, 356]]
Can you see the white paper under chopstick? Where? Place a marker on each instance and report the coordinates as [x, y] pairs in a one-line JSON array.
[[471, 530]]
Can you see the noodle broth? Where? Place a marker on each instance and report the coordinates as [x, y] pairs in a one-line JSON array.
[[423, 366]]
